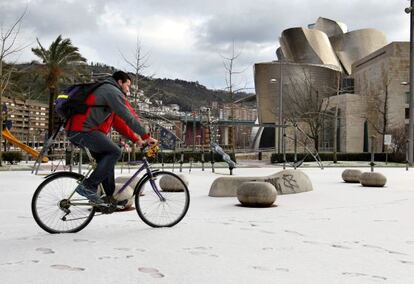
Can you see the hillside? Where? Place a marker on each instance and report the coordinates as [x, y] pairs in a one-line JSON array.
[[188, 95]]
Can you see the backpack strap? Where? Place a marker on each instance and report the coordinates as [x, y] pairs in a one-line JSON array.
[[89, 91]]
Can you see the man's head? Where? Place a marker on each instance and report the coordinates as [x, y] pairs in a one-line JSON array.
[[123, 80]]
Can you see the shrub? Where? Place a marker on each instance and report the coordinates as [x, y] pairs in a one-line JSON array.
[[12, 157], [379, 157], [166, 157]]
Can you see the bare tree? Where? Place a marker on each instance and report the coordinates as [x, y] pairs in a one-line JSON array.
[[138, 63], [8, 47], [308, 104], [399, 139], [379, 103], [232, 87]]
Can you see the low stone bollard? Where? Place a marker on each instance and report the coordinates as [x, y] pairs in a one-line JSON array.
[[256, 194], [285, 182], [124, 179], [290, 181], [372, 179], [351, 175], [171, 184], [126, 194]]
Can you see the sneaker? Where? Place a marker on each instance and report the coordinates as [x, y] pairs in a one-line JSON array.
[[88, 193]]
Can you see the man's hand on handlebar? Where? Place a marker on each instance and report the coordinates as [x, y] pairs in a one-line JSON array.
[[149, 141]]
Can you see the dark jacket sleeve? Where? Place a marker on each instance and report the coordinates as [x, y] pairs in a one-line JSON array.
[[116, 100]]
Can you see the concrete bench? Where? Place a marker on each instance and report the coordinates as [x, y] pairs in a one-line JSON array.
[[285, 182]]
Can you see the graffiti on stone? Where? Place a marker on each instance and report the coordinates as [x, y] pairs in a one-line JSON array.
[[290, 182], [287, 181]]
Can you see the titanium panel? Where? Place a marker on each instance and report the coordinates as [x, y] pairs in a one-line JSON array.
[[330, 27], [303, 45], [355, 45]]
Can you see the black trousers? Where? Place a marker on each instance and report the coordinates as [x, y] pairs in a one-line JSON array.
[[105, 152]]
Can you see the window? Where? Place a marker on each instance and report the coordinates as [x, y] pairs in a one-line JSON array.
[[407, 113], [407, 97]]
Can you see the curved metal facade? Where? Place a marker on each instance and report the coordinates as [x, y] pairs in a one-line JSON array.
[[267, 84], [355, 45], [330, 27], [303, 45]]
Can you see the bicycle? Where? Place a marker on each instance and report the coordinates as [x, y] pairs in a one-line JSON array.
[[161, 199]]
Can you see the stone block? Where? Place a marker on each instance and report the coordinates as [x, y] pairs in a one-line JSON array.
[[256, 194], [373, 179], [351, 175], [172, 184], [124, 179], [127, 193]]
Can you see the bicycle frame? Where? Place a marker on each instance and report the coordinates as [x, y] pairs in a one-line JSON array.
[[145, 165]]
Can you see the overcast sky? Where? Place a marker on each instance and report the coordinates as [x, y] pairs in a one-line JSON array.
[[184, 38]]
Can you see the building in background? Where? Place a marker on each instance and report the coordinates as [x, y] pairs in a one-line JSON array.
[[363, 72]]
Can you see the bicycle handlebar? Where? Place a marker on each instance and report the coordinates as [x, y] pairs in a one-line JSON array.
[[149, 149]]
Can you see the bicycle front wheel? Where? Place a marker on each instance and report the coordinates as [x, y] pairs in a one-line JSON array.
[[56, 208], [162, 201]]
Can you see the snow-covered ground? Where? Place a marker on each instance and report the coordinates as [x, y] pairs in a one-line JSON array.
[[338, 233]]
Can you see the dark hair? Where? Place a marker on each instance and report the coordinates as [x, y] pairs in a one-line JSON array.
[[120, 75]]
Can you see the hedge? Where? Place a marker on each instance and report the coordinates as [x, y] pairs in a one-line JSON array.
[[166, 157], [378, 157], [13, 157]]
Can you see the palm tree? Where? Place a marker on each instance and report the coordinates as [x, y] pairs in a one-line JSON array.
[[59, 60]]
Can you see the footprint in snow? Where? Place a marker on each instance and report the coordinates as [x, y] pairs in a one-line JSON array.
[[295, 233], [66, 267], [357, 274], [45, 250], [153, 272], [261, 268], [407, 262], [83, 241]]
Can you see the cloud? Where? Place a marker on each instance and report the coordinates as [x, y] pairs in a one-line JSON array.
[[185, 38]]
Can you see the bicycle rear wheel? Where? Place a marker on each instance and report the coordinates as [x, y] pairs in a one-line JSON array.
[[162, 201], [57, 209]]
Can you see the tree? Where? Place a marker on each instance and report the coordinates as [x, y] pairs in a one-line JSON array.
[[8, 47], [232, 87], [138, 63], [308, 104], [58, 61], [379, 103], [399, 139]]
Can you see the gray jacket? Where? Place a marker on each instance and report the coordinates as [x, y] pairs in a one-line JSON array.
[[102, 118]]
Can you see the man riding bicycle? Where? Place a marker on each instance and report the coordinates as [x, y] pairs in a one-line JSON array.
[[91, 128]]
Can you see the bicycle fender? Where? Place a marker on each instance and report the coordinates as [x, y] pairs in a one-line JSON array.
[[143, 178], [76, 175]]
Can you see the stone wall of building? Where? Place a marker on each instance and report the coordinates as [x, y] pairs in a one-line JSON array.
[[380, 75], [351, 119]]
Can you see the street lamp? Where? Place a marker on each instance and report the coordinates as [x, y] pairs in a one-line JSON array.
[[273, 81], [244, 141], [409, 10]]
